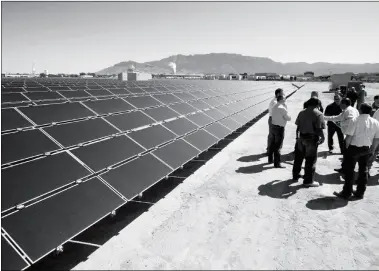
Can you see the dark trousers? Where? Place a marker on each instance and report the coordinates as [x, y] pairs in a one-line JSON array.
[[276, 143], [353, 155], [306, 147], [269, 132], [332, 129]]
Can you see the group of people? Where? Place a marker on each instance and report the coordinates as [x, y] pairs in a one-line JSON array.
[[357, 131]]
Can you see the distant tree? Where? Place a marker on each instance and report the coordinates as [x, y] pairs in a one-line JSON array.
[[82, 73], [42, 75]]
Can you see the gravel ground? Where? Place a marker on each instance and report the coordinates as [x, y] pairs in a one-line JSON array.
[[237, 212]]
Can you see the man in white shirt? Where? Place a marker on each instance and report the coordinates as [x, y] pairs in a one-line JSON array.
[[348, 114], [359, 137], [374, 150], [278, 92], [279, 120]]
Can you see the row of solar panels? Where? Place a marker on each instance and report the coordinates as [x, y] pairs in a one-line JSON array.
[[153, 106], [16, 145], [44, 225], [37, 98], [79, 171]]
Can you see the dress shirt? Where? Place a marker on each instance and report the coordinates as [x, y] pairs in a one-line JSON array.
[[345, 118], [363, 130], [280, 115], [271, 105]]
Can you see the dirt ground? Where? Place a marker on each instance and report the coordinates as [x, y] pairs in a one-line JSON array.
[[238, 212]]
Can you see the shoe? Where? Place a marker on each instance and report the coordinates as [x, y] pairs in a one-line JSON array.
[[295, 180], [312, 184], [331, 151], [270, 160], [339, 170], [357, 195], [341, 195], [279, 166]]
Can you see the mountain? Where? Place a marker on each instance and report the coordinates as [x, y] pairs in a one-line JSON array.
[[223, 63]]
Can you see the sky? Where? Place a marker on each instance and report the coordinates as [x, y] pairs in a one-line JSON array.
[[73, 37]]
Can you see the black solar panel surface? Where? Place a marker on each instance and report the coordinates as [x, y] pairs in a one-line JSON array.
[[46, 184]]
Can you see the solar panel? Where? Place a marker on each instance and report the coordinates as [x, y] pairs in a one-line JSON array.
[[200, 119], [185, 96], [132, 177], [74, 94], [81, 131], [167, 98], [119, 91], [43, 226], [215, 114], [201, 139], [12, 98], [12, 90], [142, 101], [43, 95], [180, 126], [109, 106], [230, 123], [11, 119], [21, 145], [200, 105], [161, 113], [59, 88], [10, 259], [176, 153], [99, 92], [135, 90], [46, 114], [150, 90], [183, 108], [103, 154], [152, 136], [37, 89], [129, 121], [218, 130], [199, 94], [30, 180]]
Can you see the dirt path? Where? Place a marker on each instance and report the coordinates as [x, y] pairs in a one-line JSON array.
[[237, 212]]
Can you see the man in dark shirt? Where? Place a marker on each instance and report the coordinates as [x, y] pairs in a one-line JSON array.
[[334, 109], [310, 122], [352, 94], [375, 105], [314, 94]]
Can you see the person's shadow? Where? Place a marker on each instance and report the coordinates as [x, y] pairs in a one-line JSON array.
[[279, 189], [326, 203], [260, 167], [334, 178]]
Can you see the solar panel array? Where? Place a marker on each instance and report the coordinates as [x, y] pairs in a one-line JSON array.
[[74, 150]]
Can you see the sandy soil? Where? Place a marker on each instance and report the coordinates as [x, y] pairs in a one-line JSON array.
[[237, 212]]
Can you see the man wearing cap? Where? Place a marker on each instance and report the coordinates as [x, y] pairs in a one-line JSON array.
[[278, 92], [310, 122], [359, 137]]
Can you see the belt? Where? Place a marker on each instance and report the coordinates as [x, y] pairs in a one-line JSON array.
[[277, 126]]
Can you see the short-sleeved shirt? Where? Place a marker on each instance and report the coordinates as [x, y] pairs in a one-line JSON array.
[[309, 121], [363, 129]]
